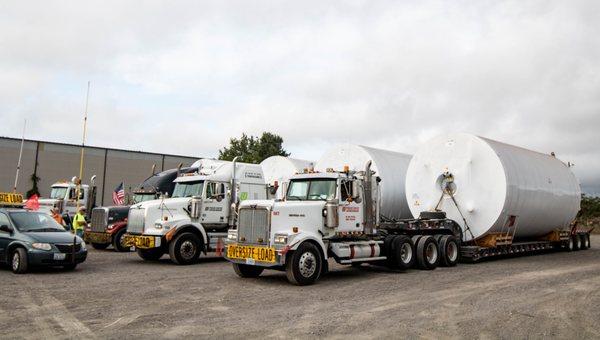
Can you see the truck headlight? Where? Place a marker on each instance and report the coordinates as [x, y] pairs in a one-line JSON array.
[[280, 239], [158, 225], [42, 246], [232, 235]]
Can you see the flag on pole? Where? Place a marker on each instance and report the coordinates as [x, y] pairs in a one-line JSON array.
[[119, 195]]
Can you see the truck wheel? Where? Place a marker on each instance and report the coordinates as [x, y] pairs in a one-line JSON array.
[[153, 254], [244, 270], [588, 241], [388, 246], [303, 266], [576, 242], [584, 241], [449, 251], [404, 252], [19, 261], [100, 246], [117, 241], [185, 249], [427, 253], [569, 245]]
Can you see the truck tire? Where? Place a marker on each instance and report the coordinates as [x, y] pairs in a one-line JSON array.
[[449, 251], [569, 245], [584, 241], [18, 261], [404, 252], [388, 246], [100, 246], [244, 270], [427, 253], [576, 242], [153, 254], [588, 240], [185, 249], [303, 266], [117, 241]]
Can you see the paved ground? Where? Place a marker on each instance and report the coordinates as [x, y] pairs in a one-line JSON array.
[[115, 295]]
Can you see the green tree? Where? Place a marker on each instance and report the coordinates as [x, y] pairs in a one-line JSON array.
[[34, 186], [250, 149]]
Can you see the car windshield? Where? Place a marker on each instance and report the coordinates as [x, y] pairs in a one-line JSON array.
[[34, 221], [311, 190], [188, 189], [137, 198], [58, 192]]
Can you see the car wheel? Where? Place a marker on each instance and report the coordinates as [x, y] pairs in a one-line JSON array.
[[244, 270], [100, 246], [185, 249], [427, 253], [303, 266], [150, 254], [18, 261], [118, 239]]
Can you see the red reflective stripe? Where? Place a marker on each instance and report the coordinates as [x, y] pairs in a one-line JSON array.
[[351, 251], [372, 250]]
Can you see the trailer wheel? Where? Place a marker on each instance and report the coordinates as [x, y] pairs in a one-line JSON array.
[[427, 253], [118, 241], [576, 242], [388, 246], [404, 252], [303, 266], [153, 254], [569, 245], [244, 270], [588, 242], [185, 249], [449, 251]]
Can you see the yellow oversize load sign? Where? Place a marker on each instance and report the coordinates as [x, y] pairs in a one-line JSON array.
[[7, 198], [261, 254], [142, 242]]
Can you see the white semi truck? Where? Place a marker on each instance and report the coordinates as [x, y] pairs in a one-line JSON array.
[[63, 196], [354, 217], [196, 217]]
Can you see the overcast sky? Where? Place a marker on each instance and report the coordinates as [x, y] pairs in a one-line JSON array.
[[184, 76]]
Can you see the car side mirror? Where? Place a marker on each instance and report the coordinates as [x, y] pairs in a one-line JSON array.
[[6, 228]]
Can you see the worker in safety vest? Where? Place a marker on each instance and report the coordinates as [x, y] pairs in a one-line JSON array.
[[56, 216], [79, 222]]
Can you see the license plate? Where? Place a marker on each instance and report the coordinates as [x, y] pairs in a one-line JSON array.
[[251, 254], [142, 242], [59, 256]]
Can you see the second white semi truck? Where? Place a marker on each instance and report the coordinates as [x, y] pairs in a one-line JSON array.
[[357, 216]]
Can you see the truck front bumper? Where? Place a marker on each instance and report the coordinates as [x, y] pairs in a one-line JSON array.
[[97, 237], [263, 256], [50, 258]]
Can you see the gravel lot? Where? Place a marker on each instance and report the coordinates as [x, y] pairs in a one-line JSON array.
[[116, 295]]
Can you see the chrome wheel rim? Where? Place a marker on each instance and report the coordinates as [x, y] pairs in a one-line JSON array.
[[16, 261], [188, 249], [431, 253], [307, 264], [406, 253], [452, 251]]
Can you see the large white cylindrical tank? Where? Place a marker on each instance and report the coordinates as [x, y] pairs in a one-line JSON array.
[[279, 169], [390, 166], [497, 186]]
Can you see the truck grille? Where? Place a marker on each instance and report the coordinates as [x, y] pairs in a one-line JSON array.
[[253, 226], [135, 221], [99, 219]]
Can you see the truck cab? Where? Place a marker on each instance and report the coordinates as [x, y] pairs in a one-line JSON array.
[[196, 217], [63, 196]]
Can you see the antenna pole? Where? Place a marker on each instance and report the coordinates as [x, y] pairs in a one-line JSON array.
[[20, 155], [87, 97]]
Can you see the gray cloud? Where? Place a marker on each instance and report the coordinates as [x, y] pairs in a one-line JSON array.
[[184, 77]]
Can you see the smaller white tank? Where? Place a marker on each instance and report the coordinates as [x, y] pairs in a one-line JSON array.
[[390, 166], [278, 170]]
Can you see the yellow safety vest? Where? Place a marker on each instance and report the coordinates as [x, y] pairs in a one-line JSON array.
[[78, 221]]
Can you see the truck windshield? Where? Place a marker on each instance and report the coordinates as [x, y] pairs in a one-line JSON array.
[[26, 221], [188, 189], [312, 189], [58, 192], [137, 198]]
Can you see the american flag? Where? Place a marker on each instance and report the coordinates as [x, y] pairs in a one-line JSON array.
[[119, 195]]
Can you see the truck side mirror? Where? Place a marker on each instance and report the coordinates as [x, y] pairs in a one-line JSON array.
[[6, 228]]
